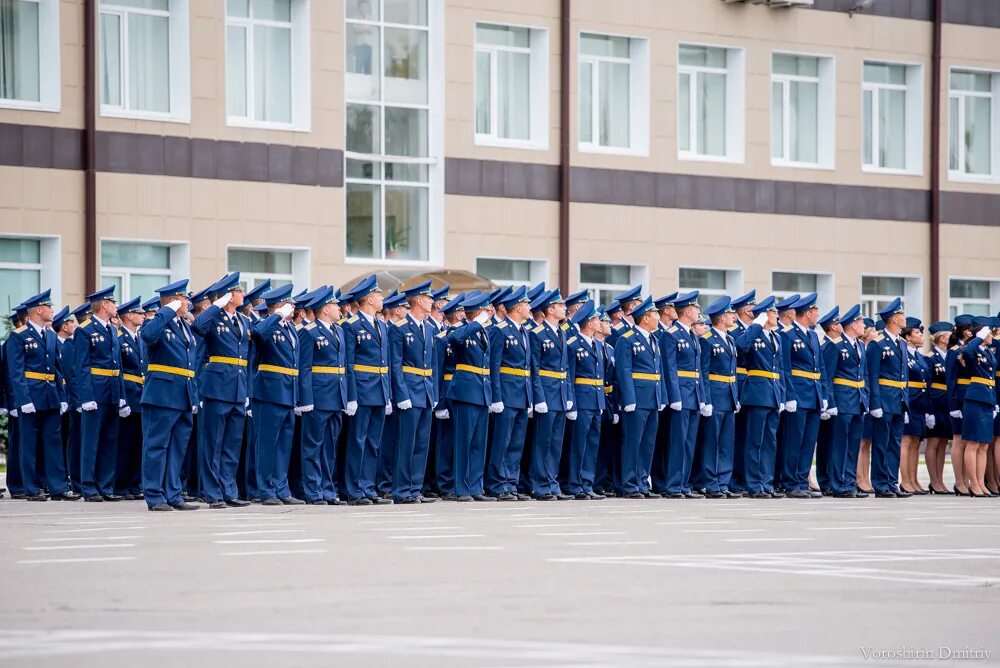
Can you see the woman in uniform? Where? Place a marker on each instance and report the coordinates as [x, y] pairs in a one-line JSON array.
[[979, 408], [937, 399], [957, 375], [918, 417], [864, 480]]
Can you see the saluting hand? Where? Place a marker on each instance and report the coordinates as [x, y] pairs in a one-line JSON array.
[[223, 300]]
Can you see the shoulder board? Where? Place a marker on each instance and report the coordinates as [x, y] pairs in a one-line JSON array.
[[539, 329], [85, 322], [732, 328], [672, 330], [501, 325], [353, 319], [298, 327], [617, 326], [443, 333], [570, 340], [118, 332], [837, 340], [311, 326], [707, 335], [20, 329], [878, 338], [787, 328], [400, 322], [564, 326], [629, 333]]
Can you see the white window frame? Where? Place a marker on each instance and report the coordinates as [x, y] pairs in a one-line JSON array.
[[638, 273], [178, 260], [826, 287], [179, 53], [49, 75], [733, 278], [912, 297], [49, 265], [639, 95], [735, 71], [435, 108], [826, 106], [993, 303], [913, 88], [538, 270], [301, 88], [301, 268], [538, 88], [994, 95]]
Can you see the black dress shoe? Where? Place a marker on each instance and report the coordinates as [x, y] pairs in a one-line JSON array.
[[715, 495], [610, 493], [506, 496], [218, 505], [427, 499], [430, 495], [903, 494], [735, 495], [112, 497], [862, 495], [885, 495], [564, 497], [483, 497], [317, 502], [760, 495], [381, 501], [465, 498], [799, 494], [292, 501], [582, 496], [237, 503], [450, 496], [633, 495], [407, 501], [522, 497], [271, 502], [335, 502], [775, 494], [66, 496], [184, 505], [866, 491], [817, 495], [674, 495], [96, 498], [21, 497], [597, 496], [693, 495], [845, 495], [161, 507], [37, 497], [545, 497], [652, 495], [362, 501]]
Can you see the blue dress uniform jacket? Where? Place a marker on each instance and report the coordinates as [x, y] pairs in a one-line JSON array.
[[804, 362], [589, 362], [67, 357], [550, 355], [224, 353], [322, 362], [888, 375], [638, 366], [718, 367], [367, 361], [682, 354], [445, 453], [471, 382], [980, 396], [510, 365], [171, 362], [763, 357], [918, 378], [848, 392], [133, 367], [412, 359], [98, 364], [277, 362], [937, 394], [470, 394]]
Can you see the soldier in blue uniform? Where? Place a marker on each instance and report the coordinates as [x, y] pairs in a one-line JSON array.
[[591, 371], [886, 359], [718, 366], [369, 396], [512, 388], [128, 473], [957, 375], [844, 366], [454, 314], [394, 309], [273, 396], [168, 399], [937, 396], [743, 305], [979, 409], [659, 471], [101, 392], [830, 324], [685, 394], [322, 398], [223, 386], [73, 442], [248, 460], [805, 398], [627, 301], [18, 317], [414, 391], [786, 316], [469, 398], [918, 419], [36, 386], [553, 395]]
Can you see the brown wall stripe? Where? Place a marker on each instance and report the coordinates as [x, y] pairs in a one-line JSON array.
[[981, 13]]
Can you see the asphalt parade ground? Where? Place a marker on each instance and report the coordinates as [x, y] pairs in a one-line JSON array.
[[572, 583]]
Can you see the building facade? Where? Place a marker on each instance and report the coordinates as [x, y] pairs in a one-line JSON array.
[[715, 145]]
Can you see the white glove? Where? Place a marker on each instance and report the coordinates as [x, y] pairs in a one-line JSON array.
[[482, 317], [249, 413], [569, 405], [442, 414], [223, 300], [194, 410], [531, 412], [996, 411], [541, 408], [351, 408], [246, 403], [571, 415], [929, 421], [781, 408], [738, 406], [761, 319], [983, 333], [833, 412], [662, 406], [630, 408], [124, 411], [404, 405], [89, 406], [824, 404], [63, 407], [122, 403], [792, 406], [876, 413], [285, 311], [305, 409], [614, 419], [13, 413], [706, 410], [496, 407], [676, 406], [28, 408], [906, 418], [174, 306], [824, 415], [388, 409], [956, 414]]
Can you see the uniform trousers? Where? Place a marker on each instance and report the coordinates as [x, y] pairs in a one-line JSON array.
[[320, 430], [414, 427], [680, 458], [362, 452], [761, 448], [638, 438], [801, 429], [717, 450], [99, 450], [41, 457], [221, 425], [583, 452], [128, 469], [887, 433], [166, 434], [546, 450], [507, 439], [275, 431], [845, 444], [470, 424]]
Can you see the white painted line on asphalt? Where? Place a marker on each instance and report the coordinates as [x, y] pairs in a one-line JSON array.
[[973, 526], [406, 521], [256, 526], [442, 548], [584, 533], [265, 540], [723, 530], [98, 529], [851, 528], [60, 540], [258, 531], [561, 524], [598, 543], [438, 537], [784, 514], [694, 522], [423, 528], [516, 518], [74, 561], [642, 512], [103, 520], [77, 547], [915, 535], [248, 554], [762, 540]]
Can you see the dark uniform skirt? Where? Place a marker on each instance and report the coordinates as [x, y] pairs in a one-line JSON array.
[[915, 427], [942, 425], [866, 427], [977, 422]]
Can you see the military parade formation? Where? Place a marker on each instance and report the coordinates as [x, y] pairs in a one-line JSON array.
[[228, 397]]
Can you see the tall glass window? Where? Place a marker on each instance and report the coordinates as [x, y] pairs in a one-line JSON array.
[[20, 273], [388, 162], [970, 123], [20, 76], [605, 82], [134, 50], [701, 101], [795, 108], [503, 82], [259, 60], [884, 115]]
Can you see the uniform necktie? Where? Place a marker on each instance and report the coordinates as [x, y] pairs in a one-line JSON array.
[[236, 326]]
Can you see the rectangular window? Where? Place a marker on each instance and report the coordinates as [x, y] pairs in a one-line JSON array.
[[267, 63], [710, 102], [389, 166], [614, 93], [606, 281], [802, 115], [29, 73], [510, 105], [27, 264], [256, 266], [972, 124], [143, 49], [135, 269], [512, 271], [711, 283], [878, 291], [970, 296], [786, 283], [892, 117]]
